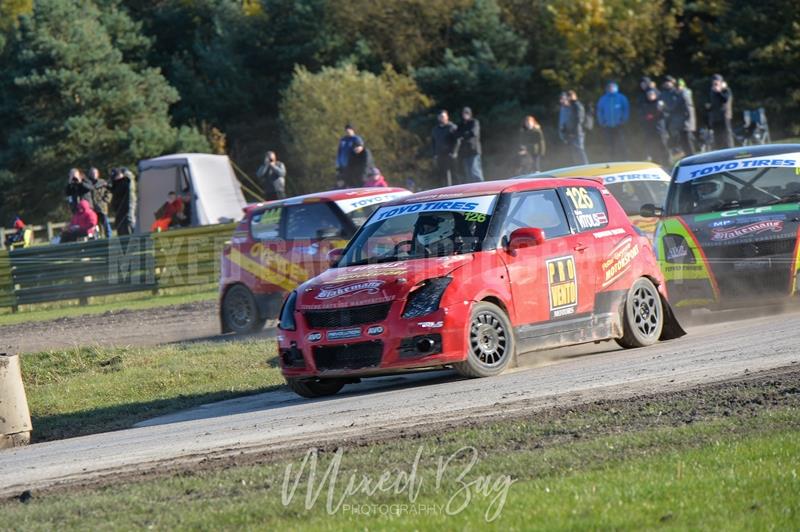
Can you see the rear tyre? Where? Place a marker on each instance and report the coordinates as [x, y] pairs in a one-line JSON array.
[[310, 388], [492, 346], [240, 312], [643, 315]]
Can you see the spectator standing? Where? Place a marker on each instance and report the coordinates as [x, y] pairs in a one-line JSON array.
[[375, 178], [654, 128], [82, 223], [690, 120], [469, 146], [443, 141], [101, 200], [531, 146], [571, 117], [721, 112], [272, 174], [359, 163], [613, 112], [346, 144], [78, 188], [645, 84], [123, 200]]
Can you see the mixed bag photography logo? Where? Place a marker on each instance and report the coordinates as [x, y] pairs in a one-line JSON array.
[[448, 488]]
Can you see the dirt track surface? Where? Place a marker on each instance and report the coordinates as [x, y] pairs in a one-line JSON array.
[[147, 327], [386, 407]]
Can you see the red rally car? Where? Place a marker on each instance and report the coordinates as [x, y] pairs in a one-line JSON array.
[[468, 276], [280, 244]]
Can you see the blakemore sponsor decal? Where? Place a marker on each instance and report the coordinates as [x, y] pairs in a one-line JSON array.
[[729, 233], [331, 292]]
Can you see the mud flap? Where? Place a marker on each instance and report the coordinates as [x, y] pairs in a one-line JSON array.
[[671, 329]]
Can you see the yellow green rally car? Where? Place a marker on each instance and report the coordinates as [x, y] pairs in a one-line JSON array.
[[633, 184], [727, 236]]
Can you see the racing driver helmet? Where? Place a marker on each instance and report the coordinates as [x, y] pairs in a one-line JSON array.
[[432, 228], [708, 190]]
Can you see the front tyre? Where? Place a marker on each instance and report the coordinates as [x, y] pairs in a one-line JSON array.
[[643, 316], [491, 342], [311, 388], [240, 311]]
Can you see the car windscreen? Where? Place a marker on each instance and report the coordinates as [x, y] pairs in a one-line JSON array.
[[436, 228], [632, 195], [738, 184], [359, 216]]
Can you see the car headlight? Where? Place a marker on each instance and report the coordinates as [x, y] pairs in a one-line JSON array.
[[425, 297], [287, 322], [677, 250]]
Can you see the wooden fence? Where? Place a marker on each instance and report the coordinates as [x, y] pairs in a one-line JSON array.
[[80, 270]]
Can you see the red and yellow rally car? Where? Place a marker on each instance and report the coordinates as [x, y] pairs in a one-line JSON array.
[[280, 244], [468, 276]]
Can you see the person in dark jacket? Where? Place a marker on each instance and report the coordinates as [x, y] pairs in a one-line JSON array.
[[359, 163], [645, 84], [690, 120], [571, 117], [654, 129], [101, 200], [613, 112], [443, 144], [346, 144], [720, 112], [531, 146], [78, 188], [123, 200], [272, 174], [469, 146]]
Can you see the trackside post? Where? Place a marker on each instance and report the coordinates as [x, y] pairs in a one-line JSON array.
[[15, 417]]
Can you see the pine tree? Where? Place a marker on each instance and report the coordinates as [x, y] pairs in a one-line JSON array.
[[73, 98]]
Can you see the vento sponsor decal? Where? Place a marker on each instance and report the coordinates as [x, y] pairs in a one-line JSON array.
[[331, 292], [729, 233], [562, 285], [619, 261]]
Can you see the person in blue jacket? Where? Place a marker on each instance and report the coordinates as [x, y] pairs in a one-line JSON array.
[[346, 144], [613, 112]]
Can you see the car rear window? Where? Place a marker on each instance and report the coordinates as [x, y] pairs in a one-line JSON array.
[[588, 207]]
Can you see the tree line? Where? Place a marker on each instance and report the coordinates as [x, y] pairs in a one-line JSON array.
[[108, 82]]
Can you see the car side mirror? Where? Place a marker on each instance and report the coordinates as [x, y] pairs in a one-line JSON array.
[[649, 210], [525, 237], [334, 256]]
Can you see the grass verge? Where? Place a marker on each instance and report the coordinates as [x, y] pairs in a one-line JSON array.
[[99, 305], [88, 390], [722, 457]]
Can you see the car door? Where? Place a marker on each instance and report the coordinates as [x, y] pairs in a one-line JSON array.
[[311, 230], [265, 253], [544, 278], [588, 215]]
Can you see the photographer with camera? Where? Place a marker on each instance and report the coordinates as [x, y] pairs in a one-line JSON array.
[[78, 188], [720, 112], [272, 174]]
